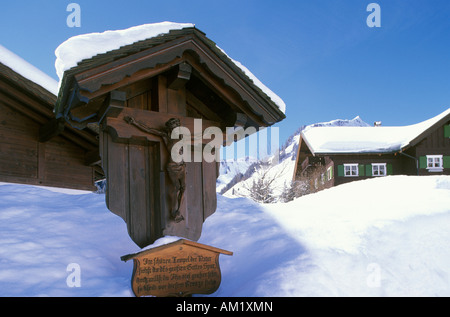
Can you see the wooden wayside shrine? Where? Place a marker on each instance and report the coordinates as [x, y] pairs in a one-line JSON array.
[[128, 97]]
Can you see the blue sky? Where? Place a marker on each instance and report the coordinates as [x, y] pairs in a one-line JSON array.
[[319, 56]]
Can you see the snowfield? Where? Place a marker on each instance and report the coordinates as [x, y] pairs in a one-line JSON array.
[[380, 237]]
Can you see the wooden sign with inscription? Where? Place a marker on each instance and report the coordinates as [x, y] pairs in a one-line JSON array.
[[181, 268]]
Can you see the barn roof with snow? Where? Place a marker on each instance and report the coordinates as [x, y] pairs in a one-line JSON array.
[[369, 140]]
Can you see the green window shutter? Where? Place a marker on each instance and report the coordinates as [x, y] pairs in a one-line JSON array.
[[423, 162], [361, 169], [340, 169], [389, 169], [369, 170], [446, 160], [447, 131]]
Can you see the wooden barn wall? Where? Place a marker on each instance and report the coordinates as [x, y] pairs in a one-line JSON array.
[[394, 160], [436, 143], [23, 159]]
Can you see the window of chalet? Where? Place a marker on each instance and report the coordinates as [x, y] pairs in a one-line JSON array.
[[379, 169], [351, 170], [435, 163], [373, 169]]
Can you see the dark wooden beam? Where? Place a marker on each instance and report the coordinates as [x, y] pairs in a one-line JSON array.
[[135, 77], [23, 109], [122, 132], [200, 107], [180, 76], [93, 158], [113, 105], [241, 120], [23, 98], [51, 129]]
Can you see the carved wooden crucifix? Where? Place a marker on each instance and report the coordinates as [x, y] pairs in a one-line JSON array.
[[175, 170]]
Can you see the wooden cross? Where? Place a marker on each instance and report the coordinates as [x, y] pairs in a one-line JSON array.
[[175, 170], [155, 195]]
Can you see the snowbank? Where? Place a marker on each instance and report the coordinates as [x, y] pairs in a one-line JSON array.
[[280, 175], [27, 70], [230, 168], [379, 237]]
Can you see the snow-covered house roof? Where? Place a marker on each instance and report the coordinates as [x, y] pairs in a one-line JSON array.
[[28, 71], [368, 140], [82, 52]]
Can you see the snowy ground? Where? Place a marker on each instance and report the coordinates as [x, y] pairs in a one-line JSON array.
[[380, 237]]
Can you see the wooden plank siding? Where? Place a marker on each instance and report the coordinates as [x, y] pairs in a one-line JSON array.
[[394, 165], [436, 143], [60, 159], [23, 159], [132, 186]]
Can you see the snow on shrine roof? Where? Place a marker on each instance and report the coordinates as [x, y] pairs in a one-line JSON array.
[[68, 54], [27, 70], [346, 140], [274, 97]]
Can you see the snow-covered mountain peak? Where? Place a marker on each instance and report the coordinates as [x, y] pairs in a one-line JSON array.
[[355, 122]]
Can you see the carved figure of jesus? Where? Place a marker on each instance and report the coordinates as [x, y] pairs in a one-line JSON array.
[[175, 170]]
